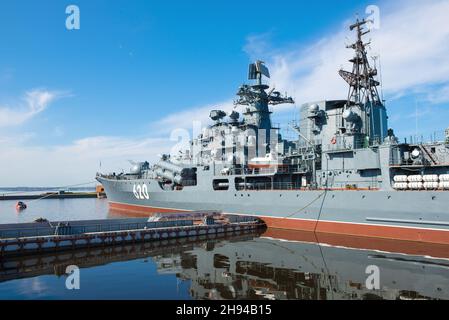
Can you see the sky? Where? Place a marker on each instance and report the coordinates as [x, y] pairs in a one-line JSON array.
[[116, 88]]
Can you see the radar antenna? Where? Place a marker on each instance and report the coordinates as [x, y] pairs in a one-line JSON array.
[[257, 99], [363, 86], [363, 91], [249, 95]]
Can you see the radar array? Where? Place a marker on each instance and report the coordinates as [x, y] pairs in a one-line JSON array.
[[362, 85]]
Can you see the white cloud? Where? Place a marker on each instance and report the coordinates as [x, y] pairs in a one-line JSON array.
[[258, 45], [185, 119], [76, 162], [34, 102], [439, 96], [11, 140], [413, 42]]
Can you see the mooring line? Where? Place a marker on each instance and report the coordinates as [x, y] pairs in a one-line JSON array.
[[303, 208]]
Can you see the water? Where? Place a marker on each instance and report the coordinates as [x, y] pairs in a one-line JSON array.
[[55, 210], [273, 265]]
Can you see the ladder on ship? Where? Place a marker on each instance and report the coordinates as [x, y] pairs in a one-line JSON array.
[[429, 155]]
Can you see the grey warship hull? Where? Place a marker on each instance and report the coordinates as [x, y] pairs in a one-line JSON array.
[[416, 216]]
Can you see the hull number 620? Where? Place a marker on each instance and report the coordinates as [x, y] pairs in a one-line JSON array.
[[141, 191]]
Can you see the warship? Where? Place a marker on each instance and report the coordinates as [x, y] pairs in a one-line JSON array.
[[345, 172]]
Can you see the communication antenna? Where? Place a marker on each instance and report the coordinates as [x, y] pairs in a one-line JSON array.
[[416, 118], [363, 92]]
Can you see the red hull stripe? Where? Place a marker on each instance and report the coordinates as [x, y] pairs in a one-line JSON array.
[[361, 230], [324, 227], [436, 250], [142, 209]]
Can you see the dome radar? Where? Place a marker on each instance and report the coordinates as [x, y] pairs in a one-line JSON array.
[[314, 108]]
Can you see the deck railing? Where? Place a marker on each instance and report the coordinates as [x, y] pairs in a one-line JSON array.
[[65, 229], [263, 171]]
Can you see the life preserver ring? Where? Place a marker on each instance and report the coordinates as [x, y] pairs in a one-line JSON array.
[[334, 140]]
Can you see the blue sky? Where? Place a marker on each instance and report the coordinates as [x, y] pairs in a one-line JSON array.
[[137, 67], [140, 58]]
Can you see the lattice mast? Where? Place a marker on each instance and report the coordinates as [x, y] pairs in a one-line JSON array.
[[256, 101], [363, 92]]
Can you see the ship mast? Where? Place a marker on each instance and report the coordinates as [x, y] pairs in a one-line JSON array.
[[257, 100], [363, 93], [255, 96]]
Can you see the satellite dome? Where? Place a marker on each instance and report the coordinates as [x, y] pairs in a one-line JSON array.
[[416, 153], [314, 108], [349, 115]]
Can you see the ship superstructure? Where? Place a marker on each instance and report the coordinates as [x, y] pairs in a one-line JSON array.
[[345, 173]]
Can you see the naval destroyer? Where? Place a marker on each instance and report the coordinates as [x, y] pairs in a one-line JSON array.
[[345, 173]]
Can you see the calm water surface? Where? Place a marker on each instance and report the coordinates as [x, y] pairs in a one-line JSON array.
[[252, 266], [55, 210]]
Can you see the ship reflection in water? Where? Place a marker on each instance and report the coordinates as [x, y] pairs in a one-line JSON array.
[[249, 266]]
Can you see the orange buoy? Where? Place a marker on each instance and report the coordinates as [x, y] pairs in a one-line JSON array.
[[21, 206]]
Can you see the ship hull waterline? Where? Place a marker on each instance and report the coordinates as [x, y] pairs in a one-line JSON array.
[[421, 216]]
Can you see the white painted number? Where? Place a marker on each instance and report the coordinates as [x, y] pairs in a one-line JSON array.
[[136, 194], [141, 192], [145, 191]]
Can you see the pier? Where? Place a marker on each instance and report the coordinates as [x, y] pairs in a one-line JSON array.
[[45, 236], [53, 195], [56, 262]]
